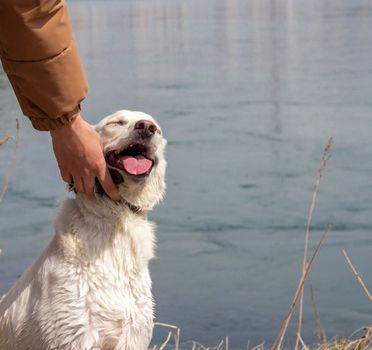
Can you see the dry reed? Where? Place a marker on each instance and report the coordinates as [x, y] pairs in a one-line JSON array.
[[11, 167], [319, 330], [283, 330], [357, 275], [323, 165], [362, 342], [5, 139]]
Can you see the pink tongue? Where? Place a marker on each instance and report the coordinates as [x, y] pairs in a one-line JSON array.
[[137, 165]]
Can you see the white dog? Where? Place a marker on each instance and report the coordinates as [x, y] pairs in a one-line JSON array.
[[91, 288]]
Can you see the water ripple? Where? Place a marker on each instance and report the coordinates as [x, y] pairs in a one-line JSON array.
[[26, 195]]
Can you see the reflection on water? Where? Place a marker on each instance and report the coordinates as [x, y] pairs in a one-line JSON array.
[[247, 93]]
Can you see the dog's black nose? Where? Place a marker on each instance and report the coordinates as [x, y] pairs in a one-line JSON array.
[[145, 127]]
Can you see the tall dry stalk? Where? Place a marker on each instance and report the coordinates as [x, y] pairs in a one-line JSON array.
[[279, 339], [176, 332], [5, 139], [357, 275], [319, 330], [323, 165], [12, 161]]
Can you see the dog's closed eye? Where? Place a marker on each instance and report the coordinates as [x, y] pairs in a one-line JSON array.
[[117, 122]]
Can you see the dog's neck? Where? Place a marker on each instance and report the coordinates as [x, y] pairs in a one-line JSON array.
[[89, 229], [103, 208], [134, 208]]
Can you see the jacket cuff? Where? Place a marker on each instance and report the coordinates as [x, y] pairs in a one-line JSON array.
[[48, 124]]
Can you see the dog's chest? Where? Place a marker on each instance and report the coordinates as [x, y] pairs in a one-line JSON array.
[[118, 307], [113, 285]]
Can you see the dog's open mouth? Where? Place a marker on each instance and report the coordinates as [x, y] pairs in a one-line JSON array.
[[134, 159]]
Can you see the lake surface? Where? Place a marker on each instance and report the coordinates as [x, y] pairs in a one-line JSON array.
[[247, 93]]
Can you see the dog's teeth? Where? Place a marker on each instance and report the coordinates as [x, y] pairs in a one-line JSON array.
[[117, 152]]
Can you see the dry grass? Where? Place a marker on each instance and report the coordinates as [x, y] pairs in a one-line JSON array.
[[323, 166], [5, 139], [357, 275], [363, 342], [11, 166]]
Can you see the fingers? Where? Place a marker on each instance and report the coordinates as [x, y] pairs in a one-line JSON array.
[[85, 185], [66, 176], [89, 185], [79, 185], [105, 179]]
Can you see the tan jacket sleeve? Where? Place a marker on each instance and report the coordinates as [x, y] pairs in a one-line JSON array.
[[40, 57]]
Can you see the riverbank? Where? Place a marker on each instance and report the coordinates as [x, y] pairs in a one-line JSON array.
[[361, 340]]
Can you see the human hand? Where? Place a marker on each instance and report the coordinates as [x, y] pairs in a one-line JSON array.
[[78, 151]]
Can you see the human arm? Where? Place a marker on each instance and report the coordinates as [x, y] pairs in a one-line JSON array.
[[40, 57]]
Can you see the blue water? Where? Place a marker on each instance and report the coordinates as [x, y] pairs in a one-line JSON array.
[[247, 92]]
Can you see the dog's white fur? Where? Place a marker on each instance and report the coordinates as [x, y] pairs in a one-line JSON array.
[[91, 288]]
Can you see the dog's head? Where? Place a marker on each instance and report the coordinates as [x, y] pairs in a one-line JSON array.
[[134, 147]]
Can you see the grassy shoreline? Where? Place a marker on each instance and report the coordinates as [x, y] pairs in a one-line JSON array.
[[362, 341]]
